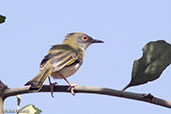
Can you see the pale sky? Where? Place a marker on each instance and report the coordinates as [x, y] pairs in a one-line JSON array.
[[125, 26]]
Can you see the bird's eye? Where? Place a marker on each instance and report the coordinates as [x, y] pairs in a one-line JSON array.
[[84, 38]]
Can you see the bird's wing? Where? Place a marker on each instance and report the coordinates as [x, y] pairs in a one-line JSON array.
[[59, 57]]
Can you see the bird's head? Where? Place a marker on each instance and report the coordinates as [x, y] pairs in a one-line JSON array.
[[80, 39]]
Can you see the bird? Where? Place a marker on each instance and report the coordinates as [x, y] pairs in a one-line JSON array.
[[63, 60]]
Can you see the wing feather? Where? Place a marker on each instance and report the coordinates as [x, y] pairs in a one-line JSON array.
[[58, 58]]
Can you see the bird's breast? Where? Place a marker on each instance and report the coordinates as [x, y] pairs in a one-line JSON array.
[[66, 71]]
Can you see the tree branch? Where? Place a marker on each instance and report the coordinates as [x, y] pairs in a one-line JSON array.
[[3, 87], [1, 105], [95, 90]]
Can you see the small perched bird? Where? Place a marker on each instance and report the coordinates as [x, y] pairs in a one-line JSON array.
[[63, 60]]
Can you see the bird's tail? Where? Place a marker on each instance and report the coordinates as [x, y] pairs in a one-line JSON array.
[[38, 81]]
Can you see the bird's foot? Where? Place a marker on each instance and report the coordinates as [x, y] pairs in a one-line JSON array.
[[72, 88], [52, 85]]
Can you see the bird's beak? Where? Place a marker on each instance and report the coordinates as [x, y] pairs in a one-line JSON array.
[[97, 41]]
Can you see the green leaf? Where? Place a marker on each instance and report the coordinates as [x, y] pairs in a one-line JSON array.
[[156, 57], [2, 19], [29, 109]]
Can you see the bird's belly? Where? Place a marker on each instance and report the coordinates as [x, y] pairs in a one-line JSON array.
[[66, 72]]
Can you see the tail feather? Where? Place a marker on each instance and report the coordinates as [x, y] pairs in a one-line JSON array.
[[38, 81]]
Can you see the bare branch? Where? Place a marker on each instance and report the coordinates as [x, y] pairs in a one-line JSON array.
[[95, 90]]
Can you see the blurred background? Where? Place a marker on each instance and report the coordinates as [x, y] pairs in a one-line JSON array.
[[32, 27]]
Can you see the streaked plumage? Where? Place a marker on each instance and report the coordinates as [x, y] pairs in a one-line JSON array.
[[63, 59]]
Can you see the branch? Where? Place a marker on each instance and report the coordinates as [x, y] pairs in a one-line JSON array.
[[95, 90], [3, 87], [1, 105]]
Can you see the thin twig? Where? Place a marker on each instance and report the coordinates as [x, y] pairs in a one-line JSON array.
[[95, 90]]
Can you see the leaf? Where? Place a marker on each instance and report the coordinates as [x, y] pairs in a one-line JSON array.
[[2, 19], [29, 109], [156, 57]]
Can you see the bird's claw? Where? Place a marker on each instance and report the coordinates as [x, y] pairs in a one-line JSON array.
[[52, 85], [72, 88]]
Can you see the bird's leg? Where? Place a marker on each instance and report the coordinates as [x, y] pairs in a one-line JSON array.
[[51, 86], [71, 85]]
